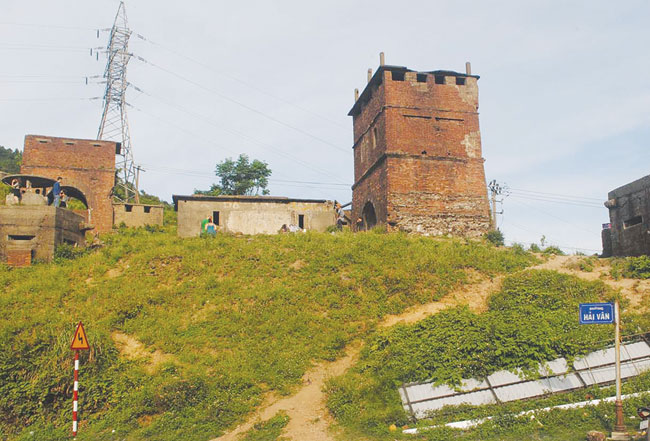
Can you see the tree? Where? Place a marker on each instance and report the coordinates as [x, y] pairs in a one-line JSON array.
[[241, 177], [10, 160]]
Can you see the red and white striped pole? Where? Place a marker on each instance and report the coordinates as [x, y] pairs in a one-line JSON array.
[[75, 393]]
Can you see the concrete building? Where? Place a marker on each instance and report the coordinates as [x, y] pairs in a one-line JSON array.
[[252, 214], [629, 213], [30, 228], [418, 164], [137, 215]]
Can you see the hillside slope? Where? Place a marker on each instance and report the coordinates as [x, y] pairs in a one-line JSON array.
[[188, 336]]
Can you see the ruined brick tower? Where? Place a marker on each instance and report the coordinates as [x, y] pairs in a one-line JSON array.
[[418, 165]]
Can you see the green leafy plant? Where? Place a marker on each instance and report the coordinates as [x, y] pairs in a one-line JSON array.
[[495, 237]]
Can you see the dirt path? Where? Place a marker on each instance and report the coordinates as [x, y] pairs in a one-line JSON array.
[[309, 418]]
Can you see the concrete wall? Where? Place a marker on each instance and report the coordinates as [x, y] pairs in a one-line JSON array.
[[88, 165], [629, 214], [39, 229], [417, 153], [139, 216], [253, 215]]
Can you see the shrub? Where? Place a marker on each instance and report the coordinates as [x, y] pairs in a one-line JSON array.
[[495, 237]]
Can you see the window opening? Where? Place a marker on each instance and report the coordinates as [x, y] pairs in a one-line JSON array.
[[417, 116], [301, 221], [21, 237], [147, 209], [422, 78], [398, 76], [440, 79], [215, 217], [128, 208], [460, 81], [374, 137], [636, 220]]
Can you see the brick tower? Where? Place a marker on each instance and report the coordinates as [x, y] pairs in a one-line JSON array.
[[418, 165]]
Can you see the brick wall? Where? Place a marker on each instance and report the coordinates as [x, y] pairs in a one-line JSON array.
[[417, 152], [88, 165]]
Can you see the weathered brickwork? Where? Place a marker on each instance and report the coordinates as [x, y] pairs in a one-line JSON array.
[[88, 165], [417, 153]]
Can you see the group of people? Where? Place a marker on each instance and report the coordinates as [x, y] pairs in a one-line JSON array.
[[209, 227], [57, 196]]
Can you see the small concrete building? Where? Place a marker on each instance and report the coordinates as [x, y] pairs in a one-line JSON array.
[[137, 215], [252, 214], [31, 229], [629, 214]]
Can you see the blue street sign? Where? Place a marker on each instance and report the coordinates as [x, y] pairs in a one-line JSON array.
[[596, 313]]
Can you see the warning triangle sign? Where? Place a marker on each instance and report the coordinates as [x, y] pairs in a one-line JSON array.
[[79, 341]]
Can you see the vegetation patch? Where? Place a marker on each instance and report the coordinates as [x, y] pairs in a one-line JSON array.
[[631, 267], [237, 315], [269, 430], [533, 319]]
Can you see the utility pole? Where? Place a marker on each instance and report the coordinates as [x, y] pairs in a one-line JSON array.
[[114, 125], [496, 189], [138, 169]]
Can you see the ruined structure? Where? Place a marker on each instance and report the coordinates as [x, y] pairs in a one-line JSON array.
[[30, 228], [137, 215], [418, 165], [88, 165], [629, 213], [252, 214]]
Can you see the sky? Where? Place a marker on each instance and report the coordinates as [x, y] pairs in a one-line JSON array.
[[563, 96]]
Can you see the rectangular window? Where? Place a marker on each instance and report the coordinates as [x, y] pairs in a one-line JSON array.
[[460, 81], [440, 79], [147, 209], [128, 208], [301, 221], [215, 217], [422, 78], [636, 220], [398, 76], [20, 237]]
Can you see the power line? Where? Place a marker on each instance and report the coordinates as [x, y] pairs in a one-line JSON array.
[[562, 195], [233, 131], [555, 201], [245, 106], [51, 99], [240, 81], [557, 217], [40, 25], [191, 133]]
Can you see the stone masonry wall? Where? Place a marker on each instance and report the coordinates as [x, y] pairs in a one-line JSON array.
[[88, 165], [419, 132]]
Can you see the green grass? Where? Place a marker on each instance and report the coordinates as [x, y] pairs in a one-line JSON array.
[[239, 315], [268, 430], [532, 319]]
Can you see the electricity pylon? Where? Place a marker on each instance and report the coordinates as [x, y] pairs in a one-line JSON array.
[[115, 125]]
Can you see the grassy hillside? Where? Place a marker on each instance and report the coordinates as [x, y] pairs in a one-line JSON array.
[[532, 319], [216, 323]]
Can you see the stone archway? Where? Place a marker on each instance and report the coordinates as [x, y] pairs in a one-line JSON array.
[[369, 216]]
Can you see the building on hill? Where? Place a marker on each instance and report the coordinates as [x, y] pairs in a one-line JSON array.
[[32, 229], [628, 233], [252, 214], [418, 164], [88, 165]]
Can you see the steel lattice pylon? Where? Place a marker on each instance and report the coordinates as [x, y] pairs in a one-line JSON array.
[[115, 125]]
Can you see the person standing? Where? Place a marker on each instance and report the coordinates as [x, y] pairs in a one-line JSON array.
[[56, 191], [211, 228], [205, 222]]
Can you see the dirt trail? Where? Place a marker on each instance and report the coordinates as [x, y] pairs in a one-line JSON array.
[[309, 418]]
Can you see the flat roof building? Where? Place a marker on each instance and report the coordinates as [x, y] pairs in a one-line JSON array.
[[252, 214]]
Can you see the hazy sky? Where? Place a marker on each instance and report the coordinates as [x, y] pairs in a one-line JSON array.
[[564, 93]]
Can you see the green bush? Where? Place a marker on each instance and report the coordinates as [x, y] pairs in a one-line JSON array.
[[553, 250], [495, 237], [631, 267]]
